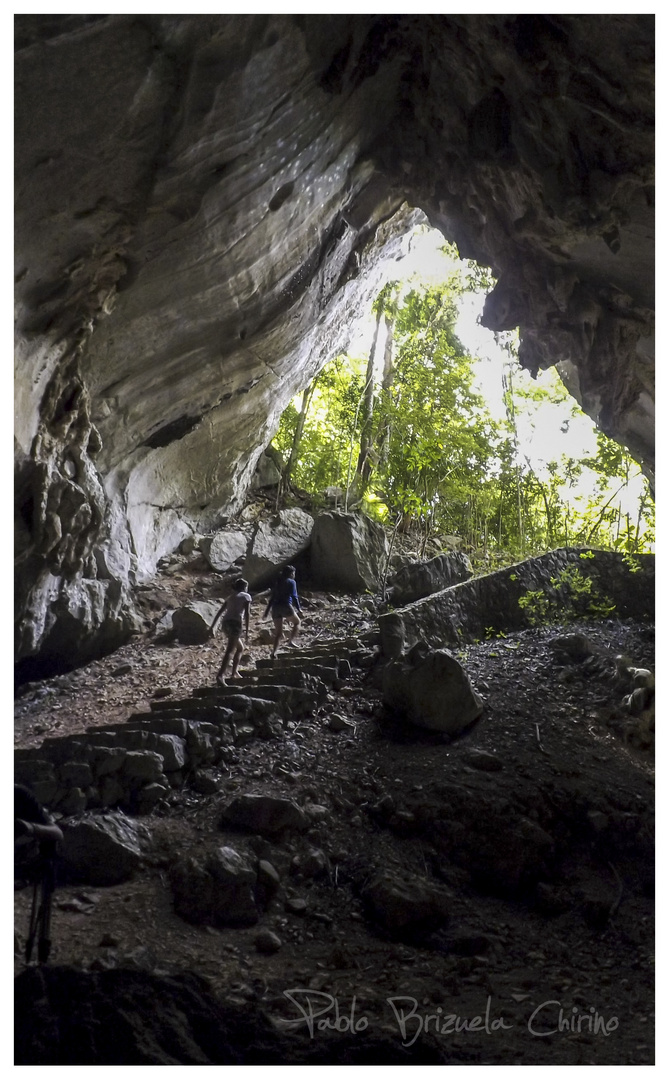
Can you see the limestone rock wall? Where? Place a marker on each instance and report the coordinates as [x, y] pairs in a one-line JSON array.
[[201, 204]]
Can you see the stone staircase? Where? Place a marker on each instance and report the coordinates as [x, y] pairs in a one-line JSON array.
[[136, 763]]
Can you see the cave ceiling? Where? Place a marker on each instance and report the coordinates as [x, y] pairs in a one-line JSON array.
[[202, 201]]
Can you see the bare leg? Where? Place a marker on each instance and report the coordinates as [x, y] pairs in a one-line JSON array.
[[239, 652], [278, 634], [295, 619], [220, 678]]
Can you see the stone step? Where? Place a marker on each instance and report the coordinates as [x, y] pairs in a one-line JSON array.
[[209, 701], [249, 684], [186, 707], [327, 652], [347, 645], [298, 660], [294, 674], [291, 696], [180, 725]]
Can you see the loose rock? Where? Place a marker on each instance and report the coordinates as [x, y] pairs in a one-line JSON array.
[[405, 904], [276, 543], [264, 814], [103, 850], [267, 942], [433, 693], [191, 623], [224, 548], [219, 892]]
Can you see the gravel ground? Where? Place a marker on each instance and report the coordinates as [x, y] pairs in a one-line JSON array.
[[550, 750]]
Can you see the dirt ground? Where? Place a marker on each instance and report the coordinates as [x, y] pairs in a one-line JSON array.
[[561, 973]]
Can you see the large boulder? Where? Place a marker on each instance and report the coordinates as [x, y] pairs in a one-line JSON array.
[[275, 544], [225, 547], [218, 892], [348, 551], [103, 850], [431, 690], [415, 580], [191, 623]]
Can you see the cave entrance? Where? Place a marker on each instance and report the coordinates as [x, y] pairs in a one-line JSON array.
[[428, 423]]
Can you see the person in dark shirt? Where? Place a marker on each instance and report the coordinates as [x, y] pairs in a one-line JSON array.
[[284, 603]]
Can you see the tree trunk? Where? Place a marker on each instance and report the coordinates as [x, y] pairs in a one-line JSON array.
[[386, 384], [297, 436], [363, 467]]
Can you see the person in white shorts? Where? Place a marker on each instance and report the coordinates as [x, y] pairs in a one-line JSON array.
[[235, 612]]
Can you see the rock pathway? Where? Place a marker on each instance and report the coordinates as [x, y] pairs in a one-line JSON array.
[[511, 866]]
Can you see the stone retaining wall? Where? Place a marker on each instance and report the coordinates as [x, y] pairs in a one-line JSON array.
[[465, 612]]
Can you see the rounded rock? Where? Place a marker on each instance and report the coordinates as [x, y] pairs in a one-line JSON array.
[[267, 942]]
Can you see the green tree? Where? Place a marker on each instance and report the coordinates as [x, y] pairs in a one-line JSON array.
[[328, 429], [441, 443], [414, 442]]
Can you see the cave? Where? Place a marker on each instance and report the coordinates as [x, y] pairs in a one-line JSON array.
[[204, 204], [201, 203]]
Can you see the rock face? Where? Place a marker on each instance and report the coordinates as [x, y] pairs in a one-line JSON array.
[[432, 690], [202, 202], [348, 552], [66, 1016], [417, 580]]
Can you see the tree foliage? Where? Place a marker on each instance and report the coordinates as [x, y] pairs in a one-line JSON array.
[[404, 433]]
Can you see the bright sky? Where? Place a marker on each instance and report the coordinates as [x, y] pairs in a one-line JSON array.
[[541, 437]]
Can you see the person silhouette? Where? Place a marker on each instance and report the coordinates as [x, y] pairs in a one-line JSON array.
[[284, 603]]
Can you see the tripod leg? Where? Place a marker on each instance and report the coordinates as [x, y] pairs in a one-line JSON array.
[[35, 913], [44, 943]]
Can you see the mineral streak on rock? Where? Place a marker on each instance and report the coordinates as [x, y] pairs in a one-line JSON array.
[[202, 202]]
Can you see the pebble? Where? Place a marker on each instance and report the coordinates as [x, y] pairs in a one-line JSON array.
[[75, 905], [337, 722], [296, 905], [124, 669], [481, 759], [268, 875], [108, 941]]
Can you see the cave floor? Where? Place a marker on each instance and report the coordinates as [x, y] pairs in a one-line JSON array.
[[560, 972]]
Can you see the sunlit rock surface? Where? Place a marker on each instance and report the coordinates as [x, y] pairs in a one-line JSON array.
[[201, 203]]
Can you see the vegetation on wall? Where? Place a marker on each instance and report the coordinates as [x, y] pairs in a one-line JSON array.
[[404, 435]]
